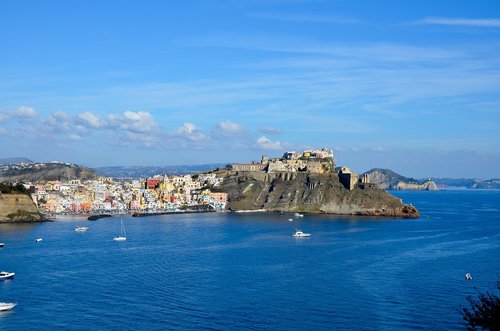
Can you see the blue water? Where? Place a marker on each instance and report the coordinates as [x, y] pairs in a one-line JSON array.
[[229, 271]]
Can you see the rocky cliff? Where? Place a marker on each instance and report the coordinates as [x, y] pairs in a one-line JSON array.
[[308, 193], [16, 207], [389, 180]]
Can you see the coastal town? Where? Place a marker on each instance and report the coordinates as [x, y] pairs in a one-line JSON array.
[[105, 195], [171, 193]]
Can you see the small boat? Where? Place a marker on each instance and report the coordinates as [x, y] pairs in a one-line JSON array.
[[468, 276], [6, 275], [300, 234], [38, 240], [290, 220], [81, 228], [123, 235], [4, 306], [1, 245], [299, 215]]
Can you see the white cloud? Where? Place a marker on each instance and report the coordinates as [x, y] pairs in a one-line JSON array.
[[141, 138], [90, 120], [139, 122], [470, 22], [58, 122], [226, 129], [25, 112], [264, 143], [271, 130], [75, 137], [305, 18], [380, 149], [190, 132]]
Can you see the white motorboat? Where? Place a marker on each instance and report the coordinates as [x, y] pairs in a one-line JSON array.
[[38, 240], [4, 306], [81, 228], [290, 220], [6, 275], [468, 276], [299, 215], [1, 245], [300, 234], [123, 235]]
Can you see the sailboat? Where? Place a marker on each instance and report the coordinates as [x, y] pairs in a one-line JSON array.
[[123, 235]]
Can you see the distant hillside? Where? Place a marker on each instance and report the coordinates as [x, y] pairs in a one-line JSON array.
[[44, 171], [144, 171], [389, 180], [470, 183], [15, 160]]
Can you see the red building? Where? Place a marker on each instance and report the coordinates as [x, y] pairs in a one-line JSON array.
[[152, 183]]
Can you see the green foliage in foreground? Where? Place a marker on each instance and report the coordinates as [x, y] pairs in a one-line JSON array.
[[484, 312], [10, 188]]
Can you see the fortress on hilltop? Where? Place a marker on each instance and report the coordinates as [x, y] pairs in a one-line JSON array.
[[309, 161]]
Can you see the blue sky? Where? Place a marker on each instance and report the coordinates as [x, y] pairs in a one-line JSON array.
[[413, 86]]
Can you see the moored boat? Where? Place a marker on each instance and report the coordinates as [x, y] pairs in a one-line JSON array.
[[38, 240], [4, 306], [81, 228], [6, 275], [300, 234], [123, 235], [299, 215]]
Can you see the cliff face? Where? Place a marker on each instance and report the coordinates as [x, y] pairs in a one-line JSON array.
[[425, 186], [309, 193], [18, 208], [389, 180]]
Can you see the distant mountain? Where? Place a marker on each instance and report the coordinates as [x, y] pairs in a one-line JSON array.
[[15, 160], [149, 171], [44, 171], [389, 180], [470, 183]]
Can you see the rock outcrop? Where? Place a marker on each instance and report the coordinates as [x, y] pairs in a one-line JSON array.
[[308, 193], [389, 180], [425, 186], [16, 208]]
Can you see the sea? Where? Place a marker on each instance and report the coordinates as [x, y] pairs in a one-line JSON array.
[[229, 271]]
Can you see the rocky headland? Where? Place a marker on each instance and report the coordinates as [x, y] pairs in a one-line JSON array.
[[18, 208], [308, 193], [387, 179]]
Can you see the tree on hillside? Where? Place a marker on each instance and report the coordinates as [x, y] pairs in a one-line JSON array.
[[9, 188], [484, 312]]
